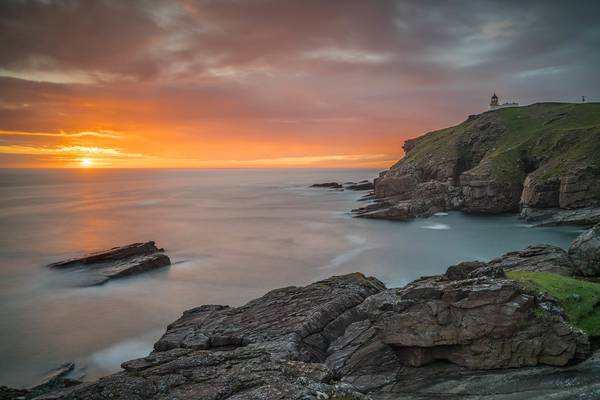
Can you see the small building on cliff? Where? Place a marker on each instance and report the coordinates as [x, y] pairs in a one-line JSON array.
[[495, 103]]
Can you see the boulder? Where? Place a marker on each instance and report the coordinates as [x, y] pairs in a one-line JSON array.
[[462, 270], [538, 258], [117, 262], [482, 323], [585, 252]]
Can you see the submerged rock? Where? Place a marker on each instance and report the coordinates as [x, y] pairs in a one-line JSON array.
[[117, 262]]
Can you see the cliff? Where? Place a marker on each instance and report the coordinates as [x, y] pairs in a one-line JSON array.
[[544, 156]]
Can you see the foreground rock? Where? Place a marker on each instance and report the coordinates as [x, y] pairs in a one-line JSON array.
[[117, 262], [348, 337], [585, 252], [55, 380], [539, 157], [539, 258]]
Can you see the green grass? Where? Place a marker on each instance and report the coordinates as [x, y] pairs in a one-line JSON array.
[[557, 135], [580, 299], [561, 133]]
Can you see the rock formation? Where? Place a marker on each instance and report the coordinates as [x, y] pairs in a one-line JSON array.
[[327, 185], [538, 258], [117, 262], [585, 252], [356, 186], [348, 337], [540, 157]]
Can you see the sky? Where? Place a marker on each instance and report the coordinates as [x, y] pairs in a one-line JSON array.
[[282, 83]]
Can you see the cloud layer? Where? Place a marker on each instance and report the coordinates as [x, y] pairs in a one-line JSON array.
[[184, 83]]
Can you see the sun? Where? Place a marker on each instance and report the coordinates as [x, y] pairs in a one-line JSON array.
[[86, 162]]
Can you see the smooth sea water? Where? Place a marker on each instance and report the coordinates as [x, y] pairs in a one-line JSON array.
[[232, 235]]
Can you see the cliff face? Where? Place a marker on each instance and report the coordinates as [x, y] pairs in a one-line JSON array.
[[543, 156]]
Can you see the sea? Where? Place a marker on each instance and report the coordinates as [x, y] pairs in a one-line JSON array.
[[232, 235]]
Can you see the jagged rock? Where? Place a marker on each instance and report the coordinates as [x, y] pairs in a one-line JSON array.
[[54, 380], [330, 185], [540, 194], [463, 270], [585, 252], [362, 185], [480, 166], [348, 337], [555, 216], [7, 393], [479, 323], [271, 348], [538, 258], [117, 262], [449, 381], [580, 188]]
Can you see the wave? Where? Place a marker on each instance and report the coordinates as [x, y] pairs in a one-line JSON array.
[[440, 227]]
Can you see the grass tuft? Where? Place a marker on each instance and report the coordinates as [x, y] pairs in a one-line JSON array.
[[580, 299]]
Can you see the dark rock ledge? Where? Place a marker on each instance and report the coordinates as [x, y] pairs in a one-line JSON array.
[[117, 262], [356, 186], [468, 334]]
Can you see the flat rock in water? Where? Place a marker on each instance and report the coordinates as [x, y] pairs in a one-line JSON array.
[[362, 185], [328, 185], [117, 262]]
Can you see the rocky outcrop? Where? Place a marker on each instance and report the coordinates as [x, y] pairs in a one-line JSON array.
[[55, 380], [356, 186], [538, 258], [348, 337], [328, 185], [585, 252], [479, 322], [495, 162], [117, 262], [362, 185], [555, 216]]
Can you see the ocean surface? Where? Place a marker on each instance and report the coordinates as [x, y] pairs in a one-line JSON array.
[[232, 235]]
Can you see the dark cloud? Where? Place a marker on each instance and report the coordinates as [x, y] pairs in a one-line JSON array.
[[403, 66]]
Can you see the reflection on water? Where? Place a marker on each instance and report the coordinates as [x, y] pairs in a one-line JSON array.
[[233, 235]]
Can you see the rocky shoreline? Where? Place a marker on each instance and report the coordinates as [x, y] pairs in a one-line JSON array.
[[474, 332], [540, 160]]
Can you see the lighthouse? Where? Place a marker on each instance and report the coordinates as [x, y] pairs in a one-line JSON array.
[[494, 103]]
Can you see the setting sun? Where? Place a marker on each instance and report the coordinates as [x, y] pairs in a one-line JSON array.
[[86, 162]]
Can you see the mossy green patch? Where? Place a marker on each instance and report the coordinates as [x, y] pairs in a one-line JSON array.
[[553, 137], [561, 134], [580, 299]]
